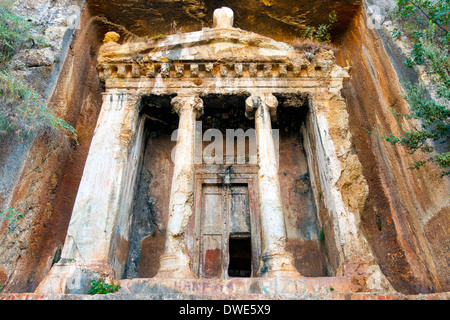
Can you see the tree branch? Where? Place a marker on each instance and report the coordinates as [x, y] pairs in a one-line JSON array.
[[429, 18]]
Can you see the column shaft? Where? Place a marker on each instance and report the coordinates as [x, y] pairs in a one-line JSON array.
[[175, 261], [275, 261]]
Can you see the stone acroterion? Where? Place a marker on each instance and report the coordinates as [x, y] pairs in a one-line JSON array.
[[111, 37], [223, 18]]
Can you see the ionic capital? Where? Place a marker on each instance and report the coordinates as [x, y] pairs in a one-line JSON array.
[[187, 103], [264, 100]]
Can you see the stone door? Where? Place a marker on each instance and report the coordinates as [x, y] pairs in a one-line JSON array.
[[224, 232]]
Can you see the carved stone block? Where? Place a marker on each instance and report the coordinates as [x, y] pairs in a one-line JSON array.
[[268, 70], [121, 71], [223, 71], [209, 68], [238, 69], [135, 71], [282, 70], [253, 69], [179, 70], [165, 70], [194, 70]]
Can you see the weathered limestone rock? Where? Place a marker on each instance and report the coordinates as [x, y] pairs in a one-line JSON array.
[[34, 58], [282, 20], [413, 206], [400, 201], [344, 189], [29, 185]]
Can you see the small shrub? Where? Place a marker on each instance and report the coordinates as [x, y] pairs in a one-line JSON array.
[[13, 31], [24, 112], [427, 24], [11, 215], [315, 39], [99, 287], [322, 236], [321, 34]]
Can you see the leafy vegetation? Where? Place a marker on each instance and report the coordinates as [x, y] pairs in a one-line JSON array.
[[314, 39], [322, 32], [23, 110], [11, 215], [322, 236], [426, 24], [14, 31], [99, 287]]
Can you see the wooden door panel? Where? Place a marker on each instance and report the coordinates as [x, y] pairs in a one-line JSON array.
[[212, 211], [211, 230], [212, 256], [239, 211]]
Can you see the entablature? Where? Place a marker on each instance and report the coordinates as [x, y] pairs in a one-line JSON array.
[[210, 60]]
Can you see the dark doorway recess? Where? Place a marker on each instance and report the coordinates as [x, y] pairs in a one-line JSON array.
[[240, 249]]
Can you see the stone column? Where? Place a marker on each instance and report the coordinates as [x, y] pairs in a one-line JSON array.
[[275, 260], [103, 201], [175, 262]]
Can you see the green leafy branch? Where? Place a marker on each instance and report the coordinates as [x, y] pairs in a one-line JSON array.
[[426, 23], [99, 287], [23, 110], [12, 216], [322, 32]]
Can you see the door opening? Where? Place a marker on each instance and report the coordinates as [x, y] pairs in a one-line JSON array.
[[226, 234], [240, 250]]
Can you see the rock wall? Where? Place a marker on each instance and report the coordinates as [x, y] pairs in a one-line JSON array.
[[55, 24], [403, 206], [47, 172]]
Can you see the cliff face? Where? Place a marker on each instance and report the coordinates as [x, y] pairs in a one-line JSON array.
[[405, 216], [281, 20], [410, 207], [42, 176]]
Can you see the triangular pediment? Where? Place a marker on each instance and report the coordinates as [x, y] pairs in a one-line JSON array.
[[214, 58], [207, 44]]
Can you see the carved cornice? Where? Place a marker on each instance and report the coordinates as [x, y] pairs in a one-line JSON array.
[[215, 58], [214, 69]]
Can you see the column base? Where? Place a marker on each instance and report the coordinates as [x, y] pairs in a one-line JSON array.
[[175, 265], [277, 265], [72, 278]]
